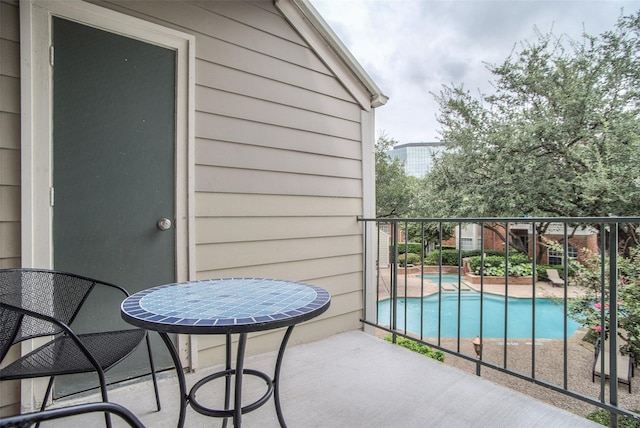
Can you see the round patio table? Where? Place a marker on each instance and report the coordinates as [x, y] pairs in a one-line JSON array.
[[226, 306]]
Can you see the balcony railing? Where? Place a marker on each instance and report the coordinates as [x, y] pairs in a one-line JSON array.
[[450, 301]]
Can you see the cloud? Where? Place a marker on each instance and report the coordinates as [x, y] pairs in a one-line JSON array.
[[412, 47]]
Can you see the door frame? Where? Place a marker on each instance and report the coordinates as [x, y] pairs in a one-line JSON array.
[[37, 136]]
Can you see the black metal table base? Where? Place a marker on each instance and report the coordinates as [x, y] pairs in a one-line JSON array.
[[236, 412]]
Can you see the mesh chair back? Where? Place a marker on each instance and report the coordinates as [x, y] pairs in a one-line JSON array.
[[9, 327], [53, 294]]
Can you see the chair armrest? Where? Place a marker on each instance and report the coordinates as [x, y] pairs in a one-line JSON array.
[[65, 328], [107, 284], [31, 418]]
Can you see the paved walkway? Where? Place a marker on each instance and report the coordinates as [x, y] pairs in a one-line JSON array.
[[518, 354], [416, 286], [355, 380]]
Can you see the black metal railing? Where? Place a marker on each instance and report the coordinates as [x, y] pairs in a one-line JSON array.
[[409, 274]]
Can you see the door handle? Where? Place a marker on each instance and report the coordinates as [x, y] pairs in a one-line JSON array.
[[164, 224]]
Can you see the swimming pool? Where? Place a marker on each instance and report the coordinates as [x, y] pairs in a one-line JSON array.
[[549, 316], [446, 277]]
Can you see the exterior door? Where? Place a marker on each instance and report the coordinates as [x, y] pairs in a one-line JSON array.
[[113, 173]]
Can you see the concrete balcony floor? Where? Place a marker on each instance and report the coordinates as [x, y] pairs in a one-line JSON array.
[[348, 380]]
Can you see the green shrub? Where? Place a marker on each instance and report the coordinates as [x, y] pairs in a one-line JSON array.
[[409, 247], [449, 258], [418, 347], [409, 258], [446, 247], [602, 417], [412, 247], [495, 265], [471, 253]]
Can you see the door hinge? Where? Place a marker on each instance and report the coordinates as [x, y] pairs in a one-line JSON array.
[[51, 55], [51, 198]]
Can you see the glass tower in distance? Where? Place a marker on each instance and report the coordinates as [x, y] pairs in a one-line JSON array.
[[417, 157]]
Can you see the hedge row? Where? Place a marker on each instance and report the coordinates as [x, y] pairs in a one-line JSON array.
[[409, 247], [450, 257], [497, 261]]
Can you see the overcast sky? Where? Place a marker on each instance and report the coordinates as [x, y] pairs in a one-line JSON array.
[[412, 47]]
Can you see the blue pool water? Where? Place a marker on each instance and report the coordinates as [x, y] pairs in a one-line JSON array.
[[549, 316], [446, 277]]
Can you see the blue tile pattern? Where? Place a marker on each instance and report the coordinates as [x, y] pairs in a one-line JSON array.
[[220, 303]]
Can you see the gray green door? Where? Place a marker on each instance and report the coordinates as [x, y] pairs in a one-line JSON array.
[[113, 172]]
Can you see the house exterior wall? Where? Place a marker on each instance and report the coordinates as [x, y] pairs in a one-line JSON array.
[[9, 135], [579, 242], [278, 154], [9, 164], [278, 158], [586, 239]]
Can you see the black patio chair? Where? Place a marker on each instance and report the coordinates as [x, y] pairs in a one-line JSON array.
[[42, 303], [29, 419]]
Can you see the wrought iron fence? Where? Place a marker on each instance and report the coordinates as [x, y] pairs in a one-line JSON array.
[[437, 281]]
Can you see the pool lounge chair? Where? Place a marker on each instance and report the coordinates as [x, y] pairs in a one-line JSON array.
[[625, 365], [554, 277]]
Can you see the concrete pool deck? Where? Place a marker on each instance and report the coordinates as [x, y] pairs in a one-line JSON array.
[[416, 286], [517, 354]]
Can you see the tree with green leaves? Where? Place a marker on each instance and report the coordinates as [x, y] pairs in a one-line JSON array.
[[560, 135], [399, 195], [395, 191]]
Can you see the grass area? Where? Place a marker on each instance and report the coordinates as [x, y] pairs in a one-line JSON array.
[[602, 417], [418, 347]]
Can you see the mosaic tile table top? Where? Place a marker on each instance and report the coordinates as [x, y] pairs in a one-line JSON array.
[[227, 305]]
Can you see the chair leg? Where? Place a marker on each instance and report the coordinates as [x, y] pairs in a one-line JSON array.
[[46, 397], [153, 374], [105, 398], [46, 394]]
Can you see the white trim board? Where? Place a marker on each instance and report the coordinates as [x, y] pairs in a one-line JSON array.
[[36, 131]]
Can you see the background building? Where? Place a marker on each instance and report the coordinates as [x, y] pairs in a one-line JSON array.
[[417, 157]]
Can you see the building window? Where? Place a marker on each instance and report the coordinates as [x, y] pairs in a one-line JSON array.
[[556, 258], [466, 244]]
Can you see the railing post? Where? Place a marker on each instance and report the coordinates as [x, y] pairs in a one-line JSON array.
[[607, 300], [613, 321], [481, 322], [394, 282]]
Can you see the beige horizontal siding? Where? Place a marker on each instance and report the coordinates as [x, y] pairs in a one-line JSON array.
[[216, 51], [206, 21], [238, 254], [9, 170], [9, 167], [224, 128], [242, 229], [9, 21], [10, 54], [244, 205], [302, 270], [254, 14], [9, 203], [10, 90], [230, 155], [251, 85], [9, 240], [10, 247], [213, 101], [284, 60], [228, 180], [10, 393], [10, 130]]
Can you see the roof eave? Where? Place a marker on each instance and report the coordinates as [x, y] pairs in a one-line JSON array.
[[377, 98]]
